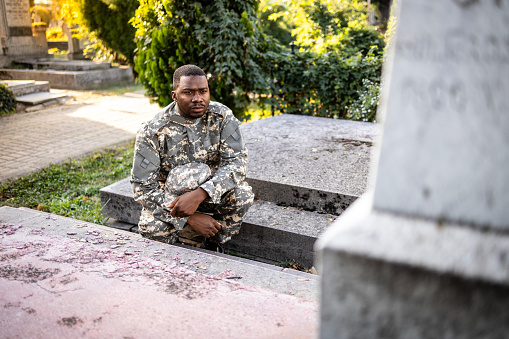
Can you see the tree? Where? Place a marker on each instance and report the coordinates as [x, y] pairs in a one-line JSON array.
[[322, 25], [223, 37], [110, 21], [281, 30]]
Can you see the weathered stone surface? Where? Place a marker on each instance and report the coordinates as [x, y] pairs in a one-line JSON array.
[[23, 87], [425, 256], [118, 203], [40, 98], [306, 198], [63, 64], [72, 79], [446, 130], [309, 152], [385, 276], [269, 231], [16, 32], [293, 209], [59, 280]]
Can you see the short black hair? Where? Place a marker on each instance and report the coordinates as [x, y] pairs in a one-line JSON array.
[[184, 71]]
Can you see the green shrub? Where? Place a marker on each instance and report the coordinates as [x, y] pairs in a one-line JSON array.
[[323, 84], [364, 109], [109, 21], [7, 100], [222, 37]]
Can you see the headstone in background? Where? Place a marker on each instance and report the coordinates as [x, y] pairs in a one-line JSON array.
[[74, 45], [16, 32], [427, 254]]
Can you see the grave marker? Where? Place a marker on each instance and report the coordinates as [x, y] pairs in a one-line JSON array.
[[425, 254], [17, 39]]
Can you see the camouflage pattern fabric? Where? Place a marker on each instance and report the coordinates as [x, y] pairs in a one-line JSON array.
[[169, 141]]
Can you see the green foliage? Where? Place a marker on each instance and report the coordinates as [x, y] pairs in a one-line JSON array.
[[338, 58], [322, 25], [364, 109], [72, 188], [43, 13], [222, 37], [109, 21], [281, 30], [323, 84], [7, 100]]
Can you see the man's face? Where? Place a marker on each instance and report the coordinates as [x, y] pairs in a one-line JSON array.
[[192, 96]]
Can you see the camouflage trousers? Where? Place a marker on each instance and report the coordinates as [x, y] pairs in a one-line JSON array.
[[229, 213]]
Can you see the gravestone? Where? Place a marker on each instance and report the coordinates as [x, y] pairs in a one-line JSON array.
[[426, 254], [17, 38]]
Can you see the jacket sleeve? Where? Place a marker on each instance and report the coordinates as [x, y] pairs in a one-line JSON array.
[[144, 179], [233, 167]]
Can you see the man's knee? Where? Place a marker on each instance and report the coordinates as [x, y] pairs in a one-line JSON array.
[[152, 228], [241, 196]]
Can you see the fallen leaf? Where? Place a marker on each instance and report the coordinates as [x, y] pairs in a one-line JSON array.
[[202, 267], [39, 207], [301, 279]]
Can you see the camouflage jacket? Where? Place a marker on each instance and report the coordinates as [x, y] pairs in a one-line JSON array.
[[170, 140]]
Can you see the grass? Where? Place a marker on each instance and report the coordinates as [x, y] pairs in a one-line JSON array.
[[71, 189]]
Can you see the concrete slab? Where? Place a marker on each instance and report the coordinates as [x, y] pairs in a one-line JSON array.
[[17, 83], [72, 80], [23, 87], [64, 65], [269, 231], [318, 153], [390, 276], [39, 98], [64, 278], [279, 280]]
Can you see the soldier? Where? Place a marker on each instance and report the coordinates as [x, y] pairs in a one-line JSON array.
[[189, 168]]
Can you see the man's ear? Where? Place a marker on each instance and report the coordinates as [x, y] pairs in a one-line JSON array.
[[173, 95]]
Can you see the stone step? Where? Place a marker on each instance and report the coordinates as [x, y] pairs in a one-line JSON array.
[[63, 65], [44, 98], [72, 80], [309, 199], [270, 231], [23, 87], [245, 271]]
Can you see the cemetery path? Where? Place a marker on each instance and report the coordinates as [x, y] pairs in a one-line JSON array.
[[31, 141]]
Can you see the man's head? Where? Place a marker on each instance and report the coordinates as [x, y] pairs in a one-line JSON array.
[[190, 91]]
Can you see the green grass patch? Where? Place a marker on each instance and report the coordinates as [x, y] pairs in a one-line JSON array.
[[71, 189]]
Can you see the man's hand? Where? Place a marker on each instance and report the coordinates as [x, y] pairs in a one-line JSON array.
[[187, 203], [204, 224]]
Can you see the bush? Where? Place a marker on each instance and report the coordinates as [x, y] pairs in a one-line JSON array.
[[55, 34], [364, 109], [7, 100], [321, 84], [110, 21], [222, 37]]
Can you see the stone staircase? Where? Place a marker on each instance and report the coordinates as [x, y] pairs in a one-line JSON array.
[[35, 94], [68, 74], [304, 171]]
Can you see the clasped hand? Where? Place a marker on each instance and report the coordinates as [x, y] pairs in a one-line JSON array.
[[186, 206]]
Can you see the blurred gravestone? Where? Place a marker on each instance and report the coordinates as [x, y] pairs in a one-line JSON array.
[[426, 255], [17, 39]]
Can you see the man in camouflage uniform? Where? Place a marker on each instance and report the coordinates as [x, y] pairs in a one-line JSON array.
[[189, 167]]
